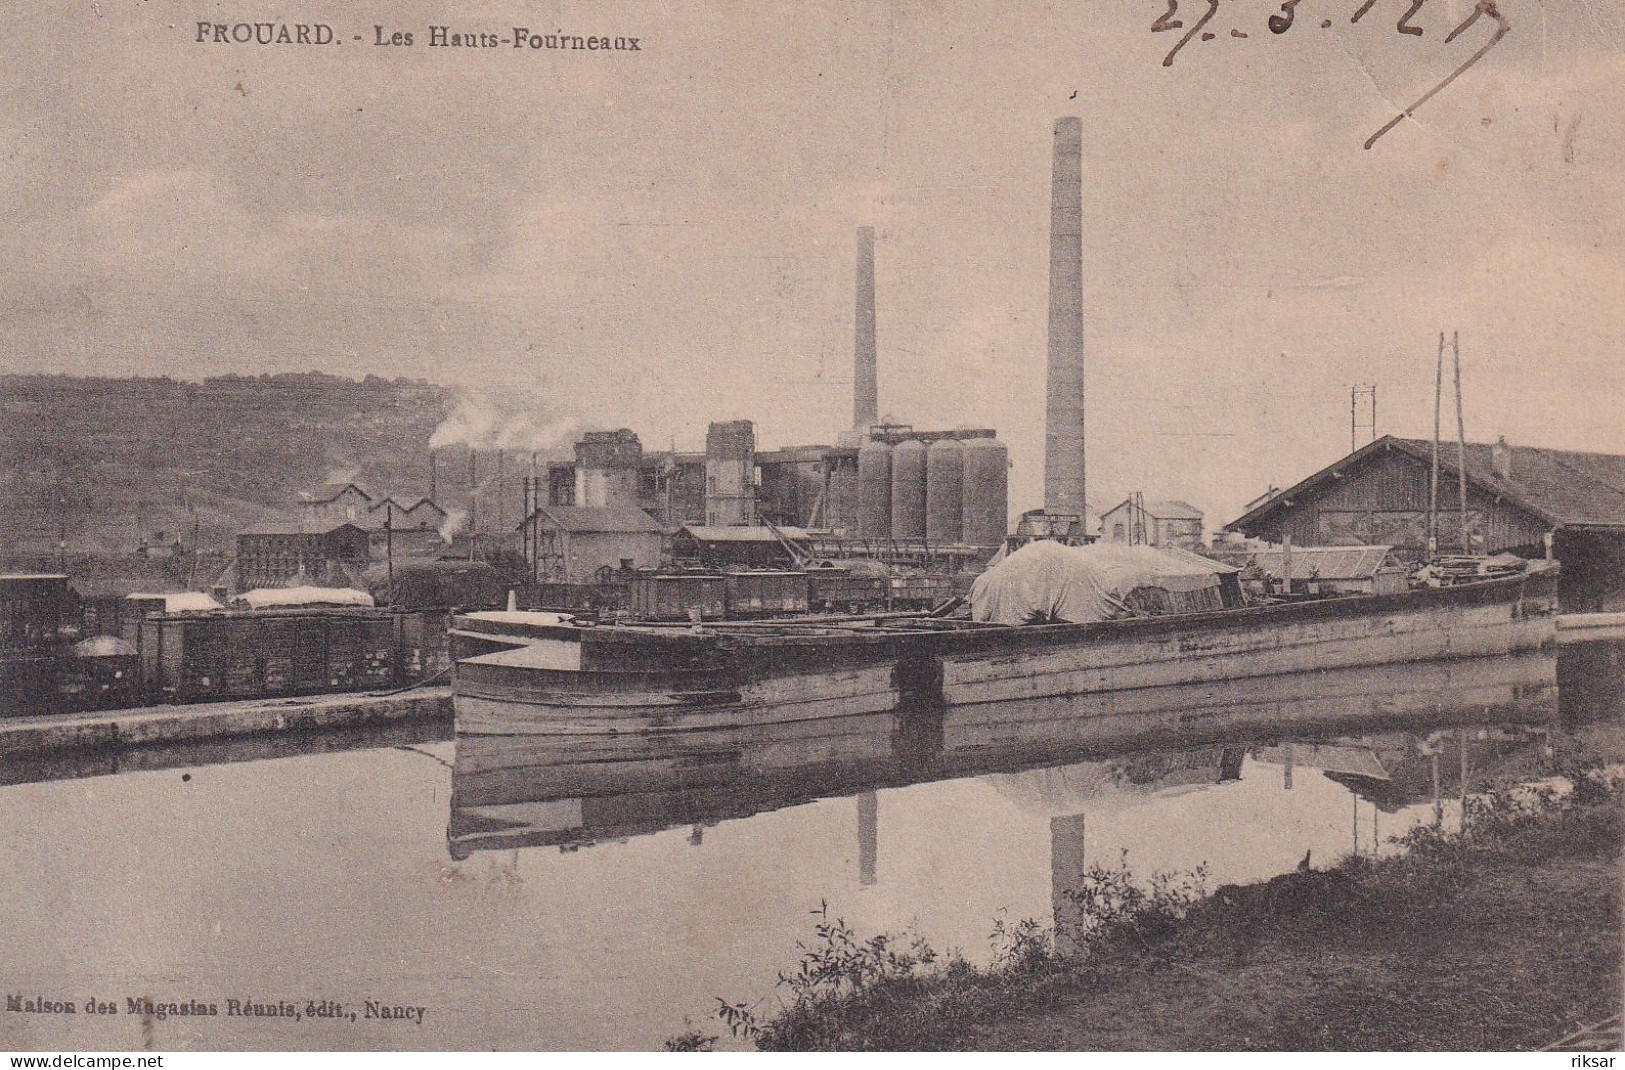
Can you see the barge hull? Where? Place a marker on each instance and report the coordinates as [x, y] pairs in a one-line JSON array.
[[787, 679]]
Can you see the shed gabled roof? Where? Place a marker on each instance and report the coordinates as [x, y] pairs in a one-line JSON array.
[[1562, 487], [328, 492], [1324, 562], [401, 504], [743, 533], [1168, 509], [622, 519]]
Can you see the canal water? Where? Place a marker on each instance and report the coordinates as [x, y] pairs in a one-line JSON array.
[[527, 894]]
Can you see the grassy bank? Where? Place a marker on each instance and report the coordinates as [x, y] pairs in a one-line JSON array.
[[1503, 936]]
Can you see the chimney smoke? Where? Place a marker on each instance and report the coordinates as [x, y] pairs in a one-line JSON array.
[[1063, 436], [865, 391]]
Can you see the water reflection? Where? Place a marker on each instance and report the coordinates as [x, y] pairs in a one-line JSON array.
[[529, 791], [598, 891]]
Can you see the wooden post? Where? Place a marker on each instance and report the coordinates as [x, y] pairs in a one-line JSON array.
[[1461, 447], [1286, 564], [389, 552], [1433, 483], [1438, 801], [1461, 746], [868, 837]]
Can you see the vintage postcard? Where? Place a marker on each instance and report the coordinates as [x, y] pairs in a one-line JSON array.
[[823, 525]]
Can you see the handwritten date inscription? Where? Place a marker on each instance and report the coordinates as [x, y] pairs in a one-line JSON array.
[[1282, 22]]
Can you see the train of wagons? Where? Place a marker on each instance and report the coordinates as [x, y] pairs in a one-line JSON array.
[[61, 653]]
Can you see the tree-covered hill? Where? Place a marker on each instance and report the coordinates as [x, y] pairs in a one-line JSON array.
[[116, 461]]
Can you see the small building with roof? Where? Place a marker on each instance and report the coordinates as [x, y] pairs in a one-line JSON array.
[[1155, 523], [1520, 499], [751, 546], [333, 503], [576, 543]]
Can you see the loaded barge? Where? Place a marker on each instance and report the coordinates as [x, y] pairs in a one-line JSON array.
[[535, 673]]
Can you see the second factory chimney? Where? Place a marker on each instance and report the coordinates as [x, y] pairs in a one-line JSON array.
[[865, 392], [1063, 437]]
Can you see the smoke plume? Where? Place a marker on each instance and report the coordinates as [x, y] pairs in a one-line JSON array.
[[455, 519], [485, 422]]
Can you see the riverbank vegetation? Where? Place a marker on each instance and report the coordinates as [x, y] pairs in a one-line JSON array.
[[1502, 934]]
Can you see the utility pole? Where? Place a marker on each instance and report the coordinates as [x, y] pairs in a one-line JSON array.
[[191, 579], [1433, 483], [1461, 446], [389, 552], [502, 513], [473, 504]]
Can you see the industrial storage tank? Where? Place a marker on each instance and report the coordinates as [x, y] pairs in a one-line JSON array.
[[944, 491], [874, 490], [908, 490], [986, 491]]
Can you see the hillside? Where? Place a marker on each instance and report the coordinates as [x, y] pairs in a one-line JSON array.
[[114, 461]]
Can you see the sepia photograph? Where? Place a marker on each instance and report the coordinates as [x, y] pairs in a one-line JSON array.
[[839, 525]]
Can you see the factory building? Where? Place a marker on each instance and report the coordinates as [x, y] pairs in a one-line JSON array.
[[883, 489], [808, 486], [578, 543], [421, 515], [1519, 499], [946, 488], [730, 473], [606, 469], [332, 504], [274, 554], [327, 507]]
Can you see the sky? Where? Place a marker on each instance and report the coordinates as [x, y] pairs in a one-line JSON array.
[[664, 238]]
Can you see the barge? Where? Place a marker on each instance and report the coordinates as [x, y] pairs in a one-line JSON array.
[[547, 674]]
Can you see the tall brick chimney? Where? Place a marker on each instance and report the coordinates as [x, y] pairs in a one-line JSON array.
[[1063, 431], [865, 390]]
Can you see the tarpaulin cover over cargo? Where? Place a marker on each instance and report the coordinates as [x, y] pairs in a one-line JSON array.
[[1045, 581], [282, 597]]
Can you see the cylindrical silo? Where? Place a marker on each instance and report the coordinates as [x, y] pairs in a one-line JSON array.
[[874, 490], [908, 490], [944, 491], [986, 491]]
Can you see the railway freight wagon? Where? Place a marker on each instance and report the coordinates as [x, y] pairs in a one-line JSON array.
[[765, 593], [924, 590], [254, 654], [679, 596], [606, 599], [33, 610], [842, 590]]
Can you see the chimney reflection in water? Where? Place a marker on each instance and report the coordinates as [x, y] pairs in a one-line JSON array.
[[868, 836]]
